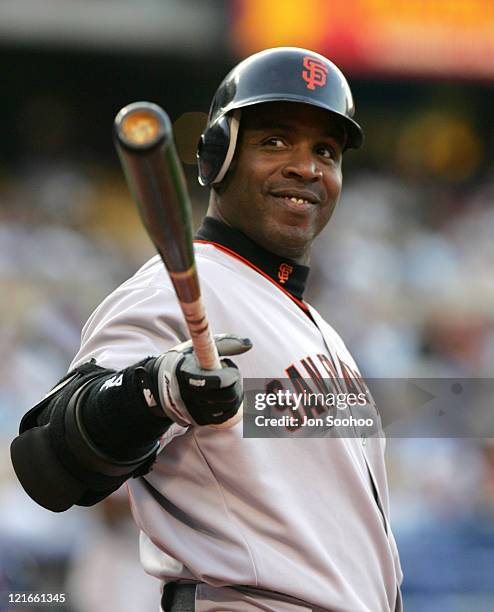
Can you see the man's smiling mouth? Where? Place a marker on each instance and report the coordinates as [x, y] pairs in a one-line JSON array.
[[297, 196], [294, 205]]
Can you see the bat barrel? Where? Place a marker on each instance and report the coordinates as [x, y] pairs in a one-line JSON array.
[[144, 141]]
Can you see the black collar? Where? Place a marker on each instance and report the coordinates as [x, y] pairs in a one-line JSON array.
[[286, 273]]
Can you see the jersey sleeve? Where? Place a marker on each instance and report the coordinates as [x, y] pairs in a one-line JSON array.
[[138, 320]]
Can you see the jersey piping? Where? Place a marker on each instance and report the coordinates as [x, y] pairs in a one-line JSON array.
[[248, 263]]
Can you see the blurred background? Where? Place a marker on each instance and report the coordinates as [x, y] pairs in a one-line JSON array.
[[403, 272]]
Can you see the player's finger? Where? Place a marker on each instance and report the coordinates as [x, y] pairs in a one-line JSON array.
[[230, 344]]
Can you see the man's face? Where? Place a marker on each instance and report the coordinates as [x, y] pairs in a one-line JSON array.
[[285, 178]]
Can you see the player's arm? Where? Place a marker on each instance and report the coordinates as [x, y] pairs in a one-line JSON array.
[[99, 427]]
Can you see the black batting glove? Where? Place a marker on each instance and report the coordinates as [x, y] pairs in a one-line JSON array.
[[190, 395]]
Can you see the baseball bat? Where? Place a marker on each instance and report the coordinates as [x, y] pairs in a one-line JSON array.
[[154, 174]]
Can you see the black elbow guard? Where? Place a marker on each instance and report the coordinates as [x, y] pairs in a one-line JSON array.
[[56, 460], [43, 476]]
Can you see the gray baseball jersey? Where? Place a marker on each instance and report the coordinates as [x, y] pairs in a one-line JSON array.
[[305, 518]]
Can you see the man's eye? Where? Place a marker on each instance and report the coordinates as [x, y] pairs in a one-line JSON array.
[[326, 151], [274, 141]]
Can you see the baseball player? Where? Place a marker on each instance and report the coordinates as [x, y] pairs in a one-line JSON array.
[[230, 522]]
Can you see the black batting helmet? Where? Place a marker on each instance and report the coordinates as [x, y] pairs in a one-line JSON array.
[[282, 74]]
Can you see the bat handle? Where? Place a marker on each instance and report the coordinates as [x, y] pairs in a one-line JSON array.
[[205, 347], [201, 335]]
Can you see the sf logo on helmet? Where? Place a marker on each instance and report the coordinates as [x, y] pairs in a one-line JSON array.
[[315, 73]]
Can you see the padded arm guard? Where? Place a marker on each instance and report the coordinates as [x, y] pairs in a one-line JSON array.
[[56, 460]]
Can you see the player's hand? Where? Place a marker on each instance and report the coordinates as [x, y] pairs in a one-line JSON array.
[[190, 395]]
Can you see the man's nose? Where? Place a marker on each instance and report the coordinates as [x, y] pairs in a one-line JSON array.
[[303, 166]]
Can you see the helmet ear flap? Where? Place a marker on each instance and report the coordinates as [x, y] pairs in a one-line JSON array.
[[216, 148], [212, 149]]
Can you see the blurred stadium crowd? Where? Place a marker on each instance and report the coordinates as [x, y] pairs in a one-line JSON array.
[[403, 272]]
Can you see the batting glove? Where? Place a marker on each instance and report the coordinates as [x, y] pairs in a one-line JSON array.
[[190, 395]]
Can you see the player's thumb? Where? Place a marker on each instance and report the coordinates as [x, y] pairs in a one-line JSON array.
[[230, 344]]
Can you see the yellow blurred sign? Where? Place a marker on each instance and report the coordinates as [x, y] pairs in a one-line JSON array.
[[414, 37]]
